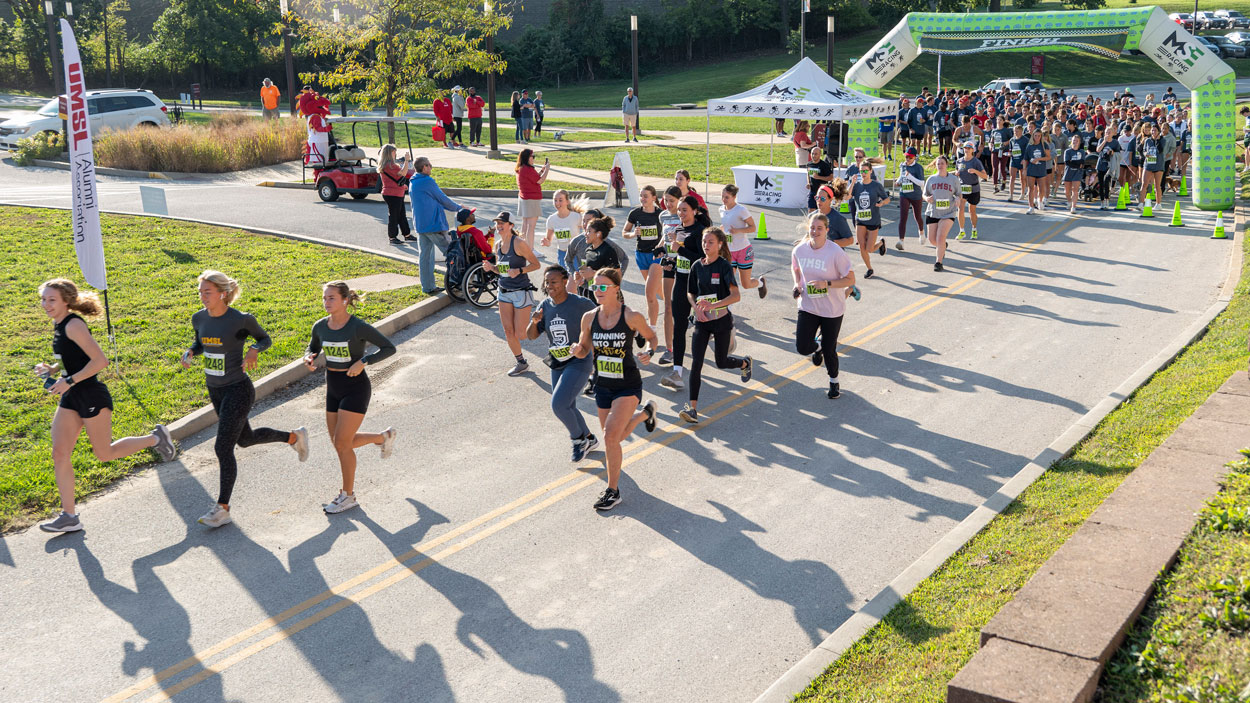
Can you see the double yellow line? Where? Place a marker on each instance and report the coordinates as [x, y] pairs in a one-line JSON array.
[[636, 450]]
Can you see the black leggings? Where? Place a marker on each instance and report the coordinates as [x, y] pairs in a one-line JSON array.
[[829, 327], [904, 204], [397, 216], [1104, 185], [457, 135], [232, 404], [681, 319], [703, 331]]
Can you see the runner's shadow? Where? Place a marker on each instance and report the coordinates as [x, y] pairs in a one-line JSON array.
[[818, 596], [6, 558]]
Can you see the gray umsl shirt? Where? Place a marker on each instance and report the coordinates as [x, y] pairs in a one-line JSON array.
[[220, 340], [629, 105]]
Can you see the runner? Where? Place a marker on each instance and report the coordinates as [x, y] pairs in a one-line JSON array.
[[220, 332], [868, 197], [1058, 143], [670, 220], [819, 265], [737, 225], [819, 173], [1074, 172], [942, 191], [1153, 165], [1016, 163], [608, 331], [85, 401], [643, 223], [971, 171], [600, 253], [686, 245], [1108, 155], [682, 180], [565, 222], [711, 289], [946, 118], [910, 181], [828, 202], [513, 262], [559, 316], [343, 336], [1036, 155], [1001, 156]]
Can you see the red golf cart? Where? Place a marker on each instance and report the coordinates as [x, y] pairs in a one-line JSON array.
[[346, 169]]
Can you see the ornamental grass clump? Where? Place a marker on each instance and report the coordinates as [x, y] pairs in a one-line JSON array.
[[230, 142]]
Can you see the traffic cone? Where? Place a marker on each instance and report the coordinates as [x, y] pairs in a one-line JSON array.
[[1219, 226], [1148, 210], [1176, 216], [1121, 203], [762, 232], [1184, 185]]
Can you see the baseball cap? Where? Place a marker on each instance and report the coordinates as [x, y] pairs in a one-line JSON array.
[[462, 217], [911, 151], [503, 216], [969, 145]]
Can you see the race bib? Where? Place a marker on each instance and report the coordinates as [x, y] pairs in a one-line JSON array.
[[607, 367], [337, 352], [560, 353], [942, 204], [907, 187], [564, 234], [998, 140], [729, 238], [1015, 151], [683, 264], [502, 268], [863, 215], [214, 364], [816, 290], [710, 299], [649, 233], [965, 188]]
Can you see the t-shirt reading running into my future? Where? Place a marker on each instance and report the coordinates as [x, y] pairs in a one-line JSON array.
[[563, 229], [864, 199], [735, 218], [562, 323], [945, 192], [346, 345], [220, 340], [816, 267], [646, 228]]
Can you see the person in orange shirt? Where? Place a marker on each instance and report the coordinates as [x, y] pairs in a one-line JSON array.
[[269, 97]]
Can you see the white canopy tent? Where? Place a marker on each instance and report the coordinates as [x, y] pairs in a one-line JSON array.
[[804, 92]]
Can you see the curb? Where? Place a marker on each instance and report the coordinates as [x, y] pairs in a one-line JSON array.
[[800, 676], [120, 171]]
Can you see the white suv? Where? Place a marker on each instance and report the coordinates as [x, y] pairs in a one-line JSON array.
[[108, 109], [1015, 85]]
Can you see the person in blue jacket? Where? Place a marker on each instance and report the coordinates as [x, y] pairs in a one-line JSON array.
[[428, 218]]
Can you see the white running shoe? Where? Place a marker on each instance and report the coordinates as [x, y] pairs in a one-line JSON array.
[[164, 443], [216, 517], [341, 503], [1030, 211], [388, 442], [301, 443]]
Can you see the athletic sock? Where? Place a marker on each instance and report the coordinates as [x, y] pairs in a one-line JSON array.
[[678, 370], [520, 358]]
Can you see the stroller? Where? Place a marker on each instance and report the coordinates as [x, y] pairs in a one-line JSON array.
[[466, 278], [1089, 180]]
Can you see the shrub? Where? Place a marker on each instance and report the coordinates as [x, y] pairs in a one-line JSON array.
[[231, 142], [45, 145]]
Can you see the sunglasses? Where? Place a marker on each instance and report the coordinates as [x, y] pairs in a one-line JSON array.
[[601, 287]]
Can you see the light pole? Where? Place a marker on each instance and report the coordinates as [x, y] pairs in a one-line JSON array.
[[490, 93], [802, 28], [286, 50], [53, 54], [829, 45], [342, 101], [633, 50]]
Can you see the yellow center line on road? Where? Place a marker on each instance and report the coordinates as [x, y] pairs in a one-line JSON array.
[[590, 474]]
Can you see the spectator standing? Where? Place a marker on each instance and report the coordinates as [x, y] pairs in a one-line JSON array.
[[442, 114], [474, 105], [629, 114], [529, 182], [539, 108], [527, 121], [395, 174], [802, 145], [457, 114], [516, 114], [428, 218], [269, 97]]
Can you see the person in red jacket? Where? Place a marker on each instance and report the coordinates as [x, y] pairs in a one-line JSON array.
[[474, 104], [442, 113]]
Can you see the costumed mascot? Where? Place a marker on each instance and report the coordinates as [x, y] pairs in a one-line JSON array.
[[316, 109]]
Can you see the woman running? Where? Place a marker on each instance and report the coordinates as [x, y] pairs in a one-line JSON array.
[[711, 289], [220, 332], [682, 180], [643, 224], [600, 253], [687, 245], [560, 317], [1016, 163], [565, 223], [608, 331], [1073, 172], [738, 225], [1108, 149], [942, 192], [530, 192], [1000, 139], [868, 197], [1036, 155], [1058, 143], [514, 260], [670, 220], [343, 336], [910, 181], [85, 401], [819, 267], [971, 171], [1153, 165]]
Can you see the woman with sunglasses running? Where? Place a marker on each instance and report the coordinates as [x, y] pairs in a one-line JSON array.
[[608, 331], [514, 260], [868, 197], [820, 267], [971, 171]]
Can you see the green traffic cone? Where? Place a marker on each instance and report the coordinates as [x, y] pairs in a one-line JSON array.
[[1121, 203], [1176, 216], [1148, 210], [1219, 226], [1184, 185]]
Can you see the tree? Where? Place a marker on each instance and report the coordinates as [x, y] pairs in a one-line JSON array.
[[580, 24], [219, 34]]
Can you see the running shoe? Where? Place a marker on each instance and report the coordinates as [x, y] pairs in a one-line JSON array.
[[579, 450], [1030, 211], [666, 359], [63, 523], [216, 517], [301, 443], [590, 388], [689, 414], [834, 390], [937, 266], [746, 369], [388, 442], [881, 248], [899, 245], [411, 237], [395, 241], [164, 443], [520, 368], [341, 503], [649, 422], [763, 287], [673, 380], [818, 357], [868, 273], [974, 232], [960, 235], [592, 443], [855, 292], [1071, 209], [610, 498]]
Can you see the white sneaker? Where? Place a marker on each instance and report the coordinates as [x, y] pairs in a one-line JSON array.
[[1071, 209], [341, 503], [388, 442], [216, 517], [1030, 211], [301, 443]]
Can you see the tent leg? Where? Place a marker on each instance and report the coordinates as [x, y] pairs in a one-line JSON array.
[[772, 133]]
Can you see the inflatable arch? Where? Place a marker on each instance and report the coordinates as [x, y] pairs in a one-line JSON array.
[[1101, 32]]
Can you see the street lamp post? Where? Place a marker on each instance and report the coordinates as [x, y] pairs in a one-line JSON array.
[[829, 45], [53, 54], [343, 100], [494, 152], [633, 50], [286, 50]]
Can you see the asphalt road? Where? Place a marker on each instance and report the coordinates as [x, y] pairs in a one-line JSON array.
[[476, 569]]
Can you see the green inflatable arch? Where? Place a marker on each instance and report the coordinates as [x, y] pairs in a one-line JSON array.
[[1101, 32]]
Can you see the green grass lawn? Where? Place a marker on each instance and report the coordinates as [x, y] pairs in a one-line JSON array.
[[924, 641], [664, 161], [153, 266]]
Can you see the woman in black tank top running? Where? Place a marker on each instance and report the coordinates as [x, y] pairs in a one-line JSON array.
[[85, 400], [608, 331]]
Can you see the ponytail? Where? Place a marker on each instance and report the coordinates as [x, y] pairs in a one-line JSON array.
[[85, 302], [345, 292], [224, 283]]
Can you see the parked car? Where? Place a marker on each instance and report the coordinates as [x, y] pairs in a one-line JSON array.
[[1015, 85], [1235, 18], [1242, 38], [107, 109], [1184, 19], [1205, 19], [1229, 49]]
